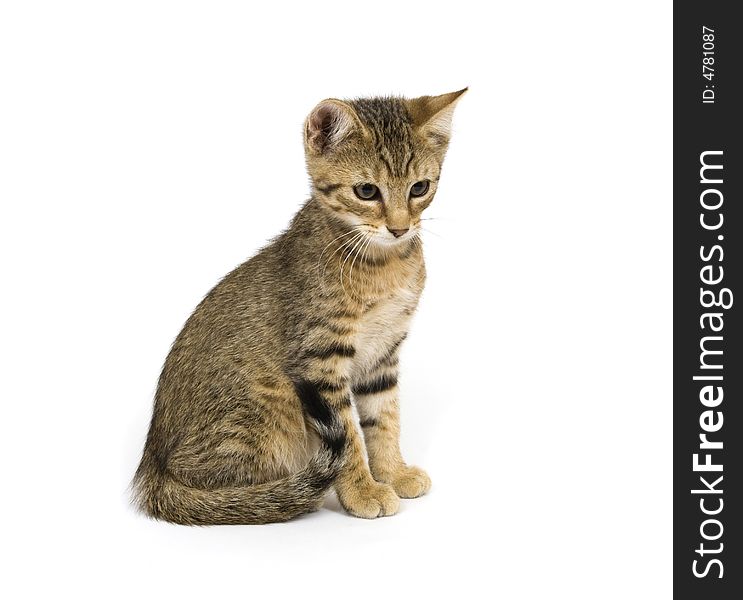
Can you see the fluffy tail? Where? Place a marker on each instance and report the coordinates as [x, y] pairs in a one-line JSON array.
[[159, 495]]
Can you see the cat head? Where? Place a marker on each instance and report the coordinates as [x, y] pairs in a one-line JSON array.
[[375, 162]]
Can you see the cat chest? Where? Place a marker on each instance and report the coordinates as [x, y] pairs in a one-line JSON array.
[[381, 326]]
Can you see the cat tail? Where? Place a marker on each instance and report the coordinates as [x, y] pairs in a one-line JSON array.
[[161, 496]]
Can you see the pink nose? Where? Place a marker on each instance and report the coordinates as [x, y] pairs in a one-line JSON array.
[[398, 232]]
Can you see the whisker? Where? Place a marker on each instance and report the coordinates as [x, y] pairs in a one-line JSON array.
[[431, 232], [363, 245], [370, 249], [343, 265], [345, 244], [353, 230], [419, 242]]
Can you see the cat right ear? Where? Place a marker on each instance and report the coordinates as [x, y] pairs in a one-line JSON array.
[[329, 123], [432, 115]]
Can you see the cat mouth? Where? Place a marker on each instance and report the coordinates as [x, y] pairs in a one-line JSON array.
[[390, 241]]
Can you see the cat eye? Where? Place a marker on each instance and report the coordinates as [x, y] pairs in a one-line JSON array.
[[366, 191], [419, 188]]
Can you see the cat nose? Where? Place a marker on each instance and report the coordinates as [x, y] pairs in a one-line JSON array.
[[398, 232]]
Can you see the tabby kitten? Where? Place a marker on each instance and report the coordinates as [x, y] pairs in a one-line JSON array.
[[253, 417]]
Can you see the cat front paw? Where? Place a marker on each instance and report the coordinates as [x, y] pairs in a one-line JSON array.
[[369, 500], [410, 482]]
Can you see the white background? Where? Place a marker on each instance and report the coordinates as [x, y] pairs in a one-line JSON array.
[[147, 148]]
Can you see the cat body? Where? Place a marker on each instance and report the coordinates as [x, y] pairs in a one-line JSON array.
[[253, 418]]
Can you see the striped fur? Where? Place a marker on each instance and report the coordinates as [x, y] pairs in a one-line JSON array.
[[253, 419]]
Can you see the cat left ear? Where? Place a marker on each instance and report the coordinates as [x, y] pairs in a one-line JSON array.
[[329, 123], [432, 115]]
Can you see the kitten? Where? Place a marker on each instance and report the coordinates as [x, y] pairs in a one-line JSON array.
[[253, 418]]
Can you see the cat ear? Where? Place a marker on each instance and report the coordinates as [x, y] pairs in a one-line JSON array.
[[329, 123], [432, 115]]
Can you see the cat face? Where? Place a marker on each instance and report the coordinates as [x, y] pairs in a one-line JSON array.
[[375, 162]]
